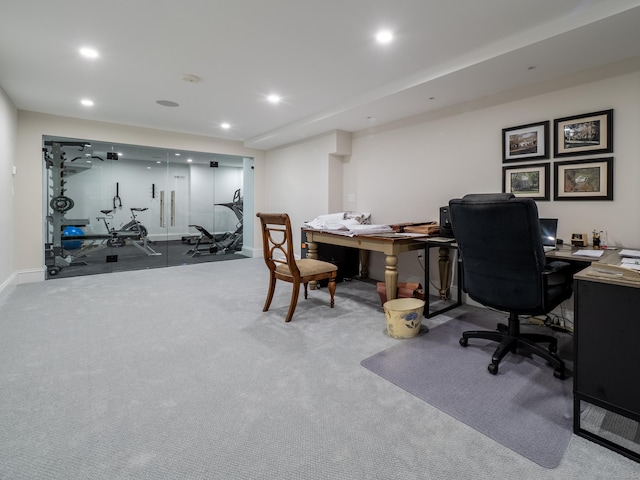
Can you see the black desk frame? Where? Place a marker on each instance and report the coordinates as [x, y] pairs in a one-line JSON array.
[[606, 354], [445, 249]]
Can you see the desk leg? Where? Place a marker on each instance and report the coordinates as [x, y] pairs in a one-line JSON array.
[[391, 276], [312, 253], [364, 264], [444, 264]]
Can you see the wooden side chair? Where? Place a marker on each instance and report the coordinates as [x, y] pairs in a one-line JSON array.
[[279, 257]]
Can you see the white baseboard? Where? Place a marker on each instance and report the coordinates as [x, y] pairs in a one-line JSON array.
[[19, 277], [251, 252], [30, 276], [8, 284]]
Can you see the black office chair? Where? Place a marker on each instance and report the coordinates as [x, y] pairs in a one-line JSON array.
[[504, 268]]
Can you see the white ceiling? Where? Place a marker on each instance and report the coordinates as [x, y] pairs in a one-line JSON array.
[[319, 55]]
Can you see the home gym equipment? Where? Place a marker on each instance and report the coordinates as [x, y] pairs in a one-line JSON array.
[[54, 158], [132, 232], [208, 243], [59, 244], [72, 231]]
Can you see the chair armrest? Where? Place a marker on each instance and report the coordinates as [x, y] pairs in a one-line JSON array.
[[557, 273], [555, 267]]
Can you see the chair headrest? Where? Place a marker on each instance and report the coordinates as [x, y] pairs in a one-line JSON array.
[[488, 197]]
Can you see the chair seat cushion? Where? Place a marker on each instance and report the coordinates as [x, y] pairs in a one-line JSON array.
[[308, 266]]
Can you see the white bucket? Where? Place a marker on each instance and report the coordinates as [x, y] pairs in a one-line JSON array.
[[404, 316]]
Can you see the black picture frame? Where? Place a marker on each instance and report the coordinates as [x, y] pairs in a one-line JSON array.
[[586, 134], [590, 179], [525, 142], [529, 181]]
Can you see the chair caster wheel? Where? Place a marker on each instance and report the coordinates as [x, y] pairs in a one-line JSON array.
[[464, 342], [493, 368], [559, 373], [553, 348]]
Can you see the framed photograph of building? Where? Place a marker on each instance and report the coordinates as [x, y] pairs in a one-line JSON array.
[[587, 134], [584, 179], [531, 181], [525, 142]]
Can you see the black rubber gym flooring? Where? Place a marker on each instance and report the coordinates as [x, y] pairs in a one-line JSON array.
[[128, 257]]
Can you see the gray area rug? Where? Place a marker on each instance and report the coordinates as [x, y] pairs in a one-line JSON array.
[[524, 407]]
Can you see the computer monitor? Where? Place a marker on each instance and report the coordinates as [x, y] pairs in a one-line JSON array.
[[549, 232]]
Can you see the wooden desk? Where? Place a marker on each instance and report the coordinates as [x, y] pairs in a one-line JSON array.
[[606, 354], [566, 254], [391, 244]]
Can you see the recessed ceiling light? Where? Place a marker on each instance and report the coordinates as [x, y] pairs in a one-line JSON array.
[[86, 102], [177, 154], [274, 98], [88, 52], [225, 126], [191, 78], [384, 36], [167, 103], [189, 160]]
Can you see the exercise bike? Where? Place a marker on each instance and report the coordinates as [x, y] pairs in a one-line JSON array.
[[132, 232]]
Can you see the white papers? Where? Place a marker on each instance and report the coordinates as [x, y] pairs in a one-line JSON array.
[[625, 252], [347, 223], [370, 229], [633, 263], [589, 253]]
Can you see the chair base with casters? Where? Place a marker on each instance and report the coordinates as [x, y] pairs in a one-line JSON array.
[[280, 259], [511, 339]]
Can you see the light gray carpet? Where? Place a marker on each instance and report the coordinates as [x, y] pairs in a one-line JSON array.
[[176, 373], [524, 407]]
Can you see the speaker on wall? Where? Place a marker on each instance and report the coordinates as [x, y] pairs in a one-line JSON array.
[[445, 223]]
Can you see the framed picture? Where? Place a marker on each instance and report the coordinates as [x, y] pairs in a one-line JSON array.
[[530, 181], [584, 179], [526, 142], [584, 134]]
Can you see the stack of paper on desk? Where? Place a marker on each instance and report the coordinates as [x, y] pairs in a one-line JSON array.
[[589, 253], [633, 263], [347, 223]]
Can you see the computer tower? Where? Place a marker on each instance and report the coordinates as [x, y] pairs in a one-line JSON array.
[[445, 223], [345, 258]]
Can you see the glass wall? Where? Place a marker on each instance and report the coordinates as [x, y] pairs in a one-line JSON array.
[[114, 207]]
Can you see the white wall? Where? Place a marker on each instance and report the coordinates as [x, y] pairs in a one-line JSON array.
[[297, 181], [407, 173], [29, 222], [398, 173], [8, 129]]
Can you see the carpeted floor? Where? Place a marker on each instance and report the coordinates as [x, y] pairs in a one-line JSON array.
[[524, 407], [176, 373]]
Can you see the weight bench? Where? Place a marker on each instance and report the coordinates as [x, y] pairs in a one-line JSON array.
[[203, 237]]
